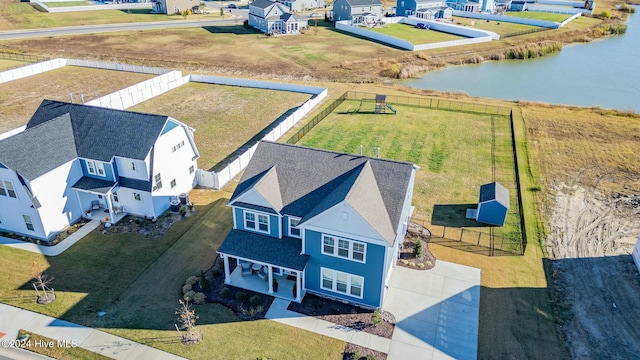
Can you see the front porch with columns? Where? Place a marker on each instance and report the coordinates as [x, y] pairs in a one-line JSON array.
[[255, 283]]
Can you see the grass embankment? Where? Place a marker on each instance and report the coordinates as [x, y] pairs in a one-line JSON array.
[[15, 15], [137, 281], [20, 98], [538, 15], [68, 352], [453, 150], [414, 35], [7, 64], [68, 3], [225, 117]]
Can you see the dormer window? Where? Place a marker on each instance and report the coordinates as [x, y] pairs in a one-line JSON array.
[[293, 227], [91, 167]]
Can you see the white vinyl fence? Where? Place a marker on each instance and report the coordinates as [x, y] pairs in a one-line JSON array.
[[227, 169], [33, 69], [62, 9], [507, 19]]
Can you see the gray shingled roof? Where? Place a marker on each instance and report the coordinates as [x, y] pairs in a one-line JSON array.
[[364, 2], [494, 191], [313, 180], [135, 184], [94, 185], [262, 4], [285, 252], [59, 132], [43, 148]]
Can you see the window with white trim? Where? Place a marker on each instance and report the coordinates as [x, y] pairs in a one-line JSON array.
[[28, 222], [173, 183], [256, 221], [293, 227], [100, 168], [158, 180], [191, 169], [340, 282], [7, 189], [346, 249], [91, 167]]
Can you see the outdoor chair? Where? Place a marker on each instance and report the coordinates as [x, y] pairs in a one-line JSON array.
[[245, 267], [262, 274], [95, 205]]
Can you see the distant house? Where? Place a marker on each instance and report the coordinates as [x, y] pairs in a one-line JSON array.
[[74, 160], [317, 221], [272, 17], [472, 5], [493, 205], [365, 12], [171, 7], [301, 5], [424, 9]]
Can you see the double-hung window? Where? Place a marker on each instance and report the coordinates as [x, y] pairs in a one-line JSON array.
[[7, 189], [256, 221], [342, 248], [293, 227], [28, 222], [340, 282], [91, 167], [158, 179]]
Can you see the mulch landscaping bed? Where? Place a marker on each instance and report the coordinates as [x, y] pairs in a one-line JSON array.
[[416, 233], [237, 300], [344, 314], [146, 227], [357, 352], [56, 240]]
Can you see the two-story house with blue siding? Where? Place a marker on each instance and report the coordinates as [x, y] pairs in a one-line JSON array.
[[424, 9], [318, 221], [75, 160]]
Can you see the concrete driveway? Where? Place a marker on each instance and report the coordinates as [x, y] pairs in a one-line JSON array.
[[436, 312]]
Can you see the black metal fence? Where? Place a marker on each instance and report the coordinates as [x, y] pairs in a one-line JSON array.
[[442, 104], [482, 242], [316, 120], [524, 32], [23, 57]]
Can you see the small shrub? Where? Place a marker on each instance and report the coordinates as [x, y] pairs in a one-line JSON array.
[[198, 298], [252, 311], [255, 300], [186, 288], [412, 264], [188, 296], [204, 282], [421, 265], [240, 296], [429, 263], [375, 318], [417, 248], [404, 261], [191, 280], [183, 210], [371, 357], [225, 292], [605, 14]]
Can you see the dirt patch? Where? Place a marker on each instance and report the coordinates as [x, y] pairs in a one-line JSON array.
[[344, 314], [416, 233], [594, 282], [151, 228]]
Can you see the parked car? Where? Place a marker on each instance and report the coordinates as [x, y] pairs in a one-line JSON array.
[[422, 26], [232, 6]]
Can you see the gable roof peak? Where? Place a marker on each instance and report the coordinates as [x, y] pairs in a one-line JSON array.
[[269, 187]]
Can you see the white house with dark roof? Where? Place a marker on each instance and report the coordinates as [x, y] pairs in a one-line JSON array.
[[318, 221], [274, 18], [360, 12], [75, 160], [301, 5]]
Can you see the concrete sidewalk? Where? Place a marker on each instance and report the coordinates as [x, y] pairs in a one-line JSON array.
[[55, 249], [13, 319]]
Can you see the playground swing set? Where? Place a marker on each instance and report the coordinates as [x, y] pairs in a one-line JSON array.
[[381, 106]]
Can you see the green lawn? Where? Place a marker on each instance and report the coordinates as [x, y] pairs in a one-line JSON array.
[[414, 35], [57, 352], [225, 117], [500, 28], [16, 15], [6, 64], [137, 281], [538, 15], [453, 150]]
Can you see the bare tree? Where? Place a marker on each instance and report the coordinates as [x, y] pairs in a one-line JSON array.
[[41, 282], [187, 319]]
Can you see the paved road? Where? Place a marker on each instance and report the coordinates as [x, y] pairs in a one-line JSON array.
[[91, 29]]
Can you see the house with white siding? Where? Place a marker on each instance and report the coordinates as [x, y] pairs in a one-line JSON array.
[[316, 221], [76, 160], [274, 18], [359, 12]]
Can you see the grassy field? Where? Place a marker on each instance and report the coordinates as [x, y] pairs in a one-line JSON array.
[[538, 15], [16, 15], [453, 151], [57, 352], [137, 282], [68, 3], [6, 64], [20, 98], [414, 35], [500, 28], [224, 117]]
